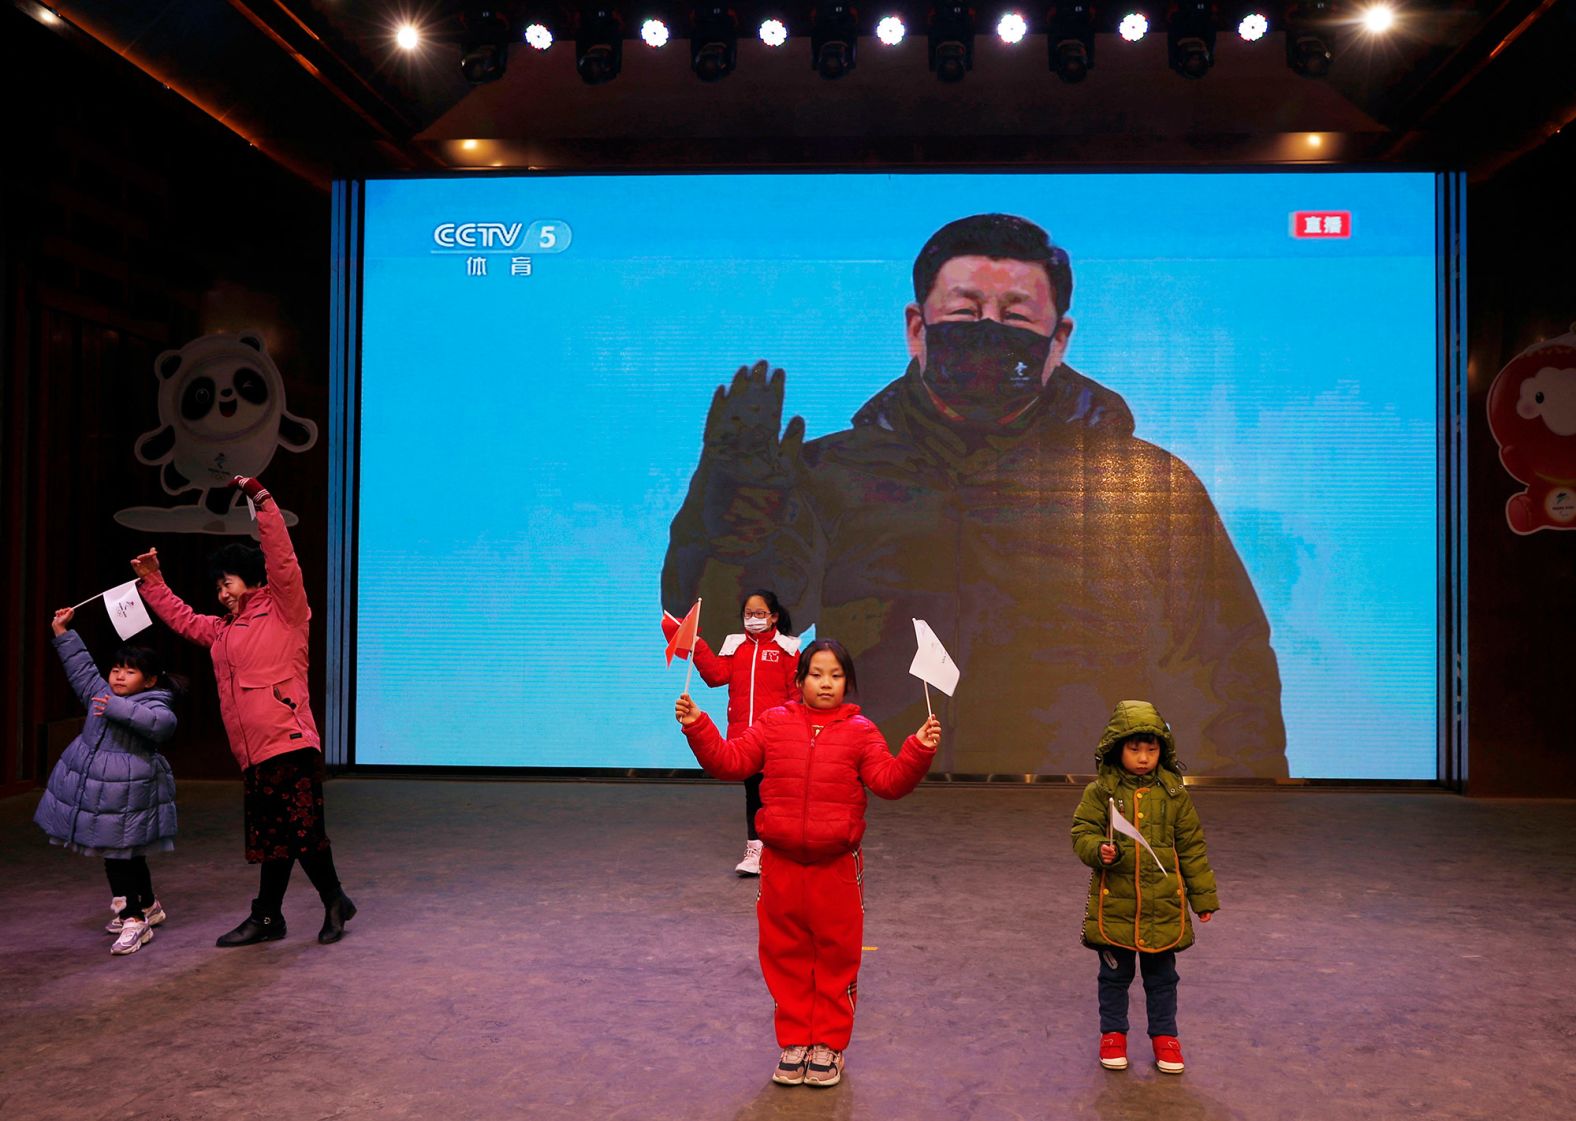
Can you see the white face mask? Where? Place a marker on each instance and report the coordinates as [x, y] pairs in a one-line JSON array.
[[757, 626]]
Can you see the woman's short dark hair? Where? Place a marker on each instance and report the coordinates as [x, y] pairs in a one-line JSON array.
[[838, 651], [235, 559], [784, 623], [1001, 237]]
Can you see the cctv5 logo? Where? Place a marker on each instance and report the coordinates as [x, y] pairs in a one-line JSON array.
[[478, 235]]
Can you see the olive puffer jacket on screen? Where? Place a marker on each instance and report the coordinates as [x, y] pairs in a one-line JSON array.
[[813, 793], [112, 793], [1133, 903]]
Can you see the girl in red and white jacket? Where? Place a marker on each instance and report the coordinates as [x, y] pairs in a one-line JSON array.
[[816, 755], [758, 667]]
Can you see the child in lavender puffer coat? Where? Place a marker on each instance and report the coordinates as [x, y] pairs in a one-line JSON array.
[[112, 794]]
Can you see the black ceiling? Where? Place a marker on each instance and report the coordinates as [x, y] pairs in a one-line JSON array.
[[321, 86]]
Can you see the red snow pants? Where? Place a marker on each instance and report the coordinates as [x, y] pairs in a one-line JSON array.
[[812, 920]]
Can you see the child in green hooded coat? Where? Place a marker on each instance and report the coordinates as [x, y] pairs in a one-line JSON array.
[[1139, 896]]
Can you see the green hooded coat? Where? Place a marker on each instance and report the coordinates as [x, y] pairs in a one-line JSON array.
[[1132, 903]]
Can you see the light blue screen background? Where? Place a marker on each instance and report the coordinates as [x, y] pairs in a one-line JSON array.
[[526, 440]]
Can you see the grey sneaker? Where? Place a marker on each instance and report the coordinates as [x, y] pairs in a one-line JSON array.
[[134, 934], [824, 1066], [790, 1067], [155, 913], [116, 906]]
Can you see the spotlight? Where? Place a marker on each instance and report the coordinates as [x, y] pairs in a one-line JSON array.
[[599, 43], [834, 36], [1134, 26], [1310, 28], [1190, 38], [655, 33], [484, 43], [1012, 27], [539, 36], [1378, 19], [891, 30], [774, 33], [1253, 26], [1069, 40], [714, 41], [952, 41], [408, 37]]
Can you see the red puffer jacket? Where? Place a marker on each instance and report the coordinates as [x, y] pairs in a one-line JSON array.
[[813, 795], [259, 653]]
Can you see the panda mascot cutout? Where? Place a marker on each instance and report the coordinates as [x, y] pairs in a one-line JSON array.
[[221, 414]]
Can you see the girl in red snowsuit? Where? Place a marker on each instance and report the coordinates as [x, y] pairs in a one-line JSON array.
[[759, 668], [817, 755]]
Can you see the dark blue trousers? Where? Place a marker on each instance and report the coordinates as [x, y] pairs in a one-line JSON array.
[[1160, 989]]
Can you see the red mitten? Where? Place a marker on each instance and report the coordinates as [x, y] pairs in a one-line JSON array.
[[253, 488]]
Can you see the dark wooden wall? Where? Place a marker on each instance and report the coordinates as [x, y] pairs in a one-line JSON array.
[[132, 223]]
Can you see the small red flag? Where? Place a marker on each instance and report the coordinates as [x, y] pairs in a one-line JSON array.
[[684, 638]]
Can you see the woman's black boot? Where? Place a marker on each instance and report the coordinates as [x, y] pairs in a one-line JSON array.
[[258, 927], [335, 916]]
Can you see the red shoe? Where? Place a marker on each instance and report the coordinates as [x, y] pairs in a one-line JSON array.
[[1168, 1054], [1113, 1050]]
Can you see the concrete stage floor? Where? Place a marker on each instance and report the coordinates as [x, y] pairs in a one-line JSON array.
[[565, 950]]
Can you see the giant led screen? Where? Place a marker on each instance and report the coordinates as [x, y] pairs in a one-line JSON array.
[[1160, 436]]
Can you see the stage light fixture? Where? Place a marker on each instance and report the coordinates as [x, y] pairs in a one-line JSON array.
[[714, 41], [1190, 38], [538, 35], [952, 41], [1253, 26], [891, 30], [1069, 40], [654, 33], [773, 32], [1133, 27], [407, 37], [1378, 19], [834, 39], [1310, 33], [485, 36], [599, 43], [1012, 27]]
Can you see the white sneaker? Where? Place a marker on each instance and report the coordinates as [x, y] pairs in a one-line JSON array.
[[134, 934], [751, 864], [154, 915]]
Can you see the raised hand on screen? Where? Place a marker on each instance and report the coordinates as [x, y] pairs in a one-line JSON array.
[[747, 472], [743, 423], [62, 620], [685, 710], [929, 732]]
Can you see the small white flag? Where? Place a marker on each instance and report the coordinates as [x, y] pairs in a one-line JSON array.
[[126, 610], [932, 664], [1128, 829]]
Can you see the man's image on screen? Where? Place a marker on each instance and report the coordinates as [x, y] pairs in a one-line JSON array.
[[1002, 496]]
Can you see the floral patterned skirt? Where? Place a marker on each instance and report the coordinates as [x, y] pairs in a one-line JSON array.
[[284, 807]]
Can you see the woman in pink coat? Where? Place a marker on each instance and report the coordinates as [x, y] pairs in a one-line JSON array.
[[259, 651]]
